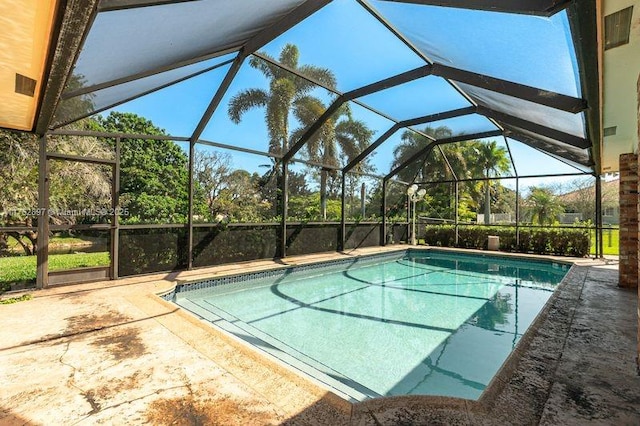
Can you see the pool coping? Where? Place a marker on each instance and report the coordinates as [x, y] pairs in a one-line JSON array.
[[485, 404]]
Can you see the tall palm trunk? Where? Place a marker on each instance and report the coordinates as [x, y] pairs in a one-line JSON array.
[[323, 194], [487, 202]]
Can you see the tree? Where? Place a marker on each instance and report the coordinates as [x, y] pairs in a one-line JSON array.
[[211, 171], [281, 99], [74, 186], [285, 92], [544, 206], [504, 199], [290, 95], [492, 160], [579, 196], [462, 159], [432, 168], [154, 174], [493, 312], [240, 199], [306, 207], [18, 186], [338, 141]]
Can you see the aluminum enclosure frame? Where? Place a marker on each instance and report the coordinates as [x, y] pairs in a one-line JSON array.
[[75, 19]]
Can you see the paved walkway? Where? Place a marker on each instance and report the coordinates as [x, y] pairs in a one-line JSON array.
[[114, 353]]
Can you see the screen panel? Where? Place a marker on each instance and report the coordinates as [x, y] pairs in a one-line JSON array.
[[19, 212], [310, 186], [363, 197], [528, 160], [266, 108], [308, 238], [360, 235], [551, 146], [418, 98], [143, 251], [479, 158], [154, 181], [234, 243], [567, 122], [399, 147], [337, 37], [347, 133], [458, 126], [509, 46], [84, 146], [235, 187], [75, 107], [118, 44]]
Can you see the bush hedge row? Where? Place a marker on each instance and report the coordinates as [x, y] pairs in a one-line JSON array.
[[562, 242]]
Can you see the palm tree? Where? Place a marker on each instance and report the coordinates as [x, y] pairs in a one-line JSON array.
[[544, 206], [284, 94], [412, 142], [492, 160], [432, 168], [457, 160], [340, 137]]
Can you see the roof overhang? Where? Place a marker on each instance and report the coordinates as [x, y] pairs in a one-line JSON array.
[[28, 28]]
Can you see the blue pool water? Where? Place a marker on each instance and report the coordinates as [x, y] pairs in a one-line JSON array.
[[417, 322]]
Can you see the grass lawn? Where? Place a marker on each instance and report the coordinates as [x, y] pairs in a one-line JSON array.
[[23, 268], [610, 238]]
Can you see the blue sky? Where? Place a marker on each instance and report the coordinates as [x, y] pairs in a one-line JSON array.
[[359, 50]]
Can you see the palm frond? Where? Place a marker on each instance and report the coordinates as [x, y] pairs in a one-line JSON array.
[[289, 56], [307, 109], [322, 75], [244, 101], [266, 68]]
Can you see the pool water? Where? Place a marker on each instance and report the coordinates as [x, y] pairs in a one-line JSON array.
[[422, 322]]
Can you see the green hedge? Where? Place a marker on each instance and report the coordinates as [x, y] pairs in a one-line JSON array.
[[562, 242]]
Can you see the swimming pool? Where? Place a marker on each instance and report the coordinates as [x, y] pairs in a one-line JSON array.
[[415, 322]]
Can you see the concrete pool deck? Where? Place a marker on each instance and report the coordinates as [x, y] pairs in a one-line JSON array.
[[114, 353]]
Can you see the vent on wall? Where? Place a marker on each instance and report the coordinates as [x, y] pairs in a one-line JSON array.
[[610, 131], [25, 85], [617, 27]]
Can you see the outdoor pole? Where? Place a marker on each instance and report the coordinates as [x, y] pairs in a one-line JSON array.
[[115, 231], [343, 215], [383, 207], [408, 202], [414, 195], [284, 199], [599, 245], [413, 224], [192, 149], [42, 248], [517, 212], [515, 334], [363, 192], [455, 212]]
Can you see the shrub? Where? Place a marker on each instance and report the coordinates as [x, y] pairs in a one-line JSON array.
[[562, 242]]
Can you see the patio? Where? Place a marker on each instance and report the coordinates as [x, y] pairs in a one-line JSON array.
[[113, 352]]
